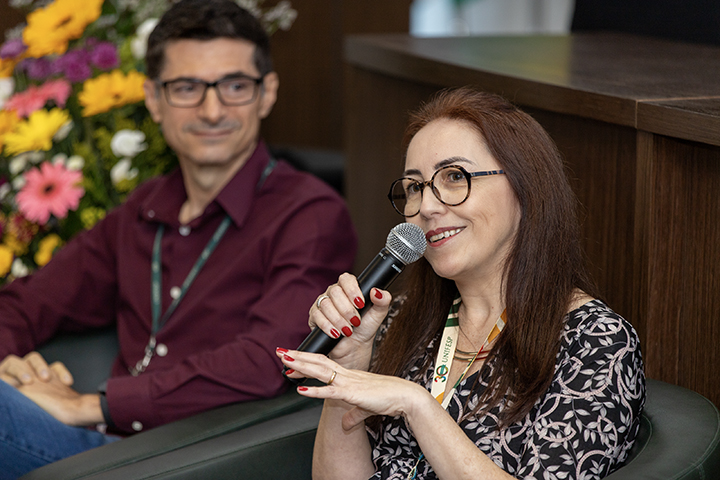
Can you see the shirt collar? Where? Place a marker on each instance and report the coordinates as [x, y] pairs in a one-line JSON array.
[[236, 198]]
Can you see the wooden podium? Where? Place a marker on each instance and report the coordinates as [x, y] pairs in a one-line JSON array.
[[638, 122]]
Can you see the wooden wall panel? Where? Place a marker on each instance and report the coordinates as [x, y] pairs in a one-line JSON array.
[[683, 280], [308, 58]]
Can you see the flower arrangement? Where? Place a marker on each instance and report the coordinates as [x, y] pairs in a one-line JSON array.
[[75, 136]]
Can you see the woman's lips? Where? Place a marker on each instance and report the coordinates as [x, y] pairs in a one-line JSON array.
[[435, 236]]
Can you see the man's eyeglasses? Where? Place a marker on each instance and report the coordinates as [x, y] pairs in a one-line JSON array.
[[451, 185], [232, 91]]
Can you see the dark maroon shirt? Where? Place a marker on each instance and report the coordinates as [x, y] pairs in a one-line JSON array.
[[286, 243]]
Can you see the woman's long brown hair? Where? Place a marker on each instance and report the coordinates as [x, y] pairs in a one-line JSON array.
[[545, 266]]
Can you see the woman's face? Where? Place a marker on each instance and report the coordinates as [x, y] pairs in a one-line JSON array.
[[481, 230]]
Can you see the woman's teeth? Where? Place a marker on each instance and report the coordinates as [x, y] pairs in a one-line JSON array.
[[445, 234]]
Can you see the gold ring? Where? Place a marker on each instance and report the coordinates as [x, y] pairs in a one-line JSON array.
[[319, 300], [332, 379]]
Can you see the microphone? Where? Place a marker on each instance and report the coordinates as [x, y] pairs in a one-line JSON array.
[[405, 244]]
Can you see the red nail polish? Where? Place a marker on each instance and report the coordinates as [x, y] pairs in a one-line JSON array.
[[334, 333], [288, 358], [289, 371], [302, 389], [378, 295], [281, 350], [355, 321], [347, 331], [359, 302]]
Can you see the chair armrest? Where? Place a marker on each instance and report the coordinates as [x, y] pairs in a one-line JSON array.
[[172, 437], [279, 448], [679, 437]]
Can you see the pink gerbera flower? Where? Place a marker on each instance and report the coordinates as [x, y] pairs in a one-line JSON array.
[[51, 189]]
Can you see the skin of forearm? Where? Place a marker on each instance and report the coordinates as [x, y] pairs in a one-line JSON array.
[[446, 447], [340, 453]]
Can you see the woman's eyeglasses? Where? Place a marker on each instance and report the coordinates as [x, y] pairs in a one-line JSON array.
[[451, 185]]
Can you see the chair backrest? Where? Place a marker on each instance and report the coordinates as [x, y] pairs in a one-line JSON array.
[[89, 356], [685, 20], [679, 437]]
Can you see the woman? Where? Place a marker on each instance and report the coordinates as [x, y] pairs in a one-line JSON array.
[[529, 375]]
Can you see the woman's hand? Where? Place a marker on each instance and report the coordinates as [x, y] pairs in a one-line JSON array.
[[336, 313], [369, 393]]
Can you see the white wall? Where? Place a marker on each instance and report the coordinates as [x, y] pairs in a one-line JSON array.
[[483, 17]]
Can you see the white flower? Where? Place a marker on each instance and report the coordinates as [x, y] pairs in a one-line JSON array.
[[19, 269], [128, 143], [7, 88], [18, 182], [63, 131], [138, 45], [5, 188], [18, 164], [59, 159], [75, 163], [122, 171]]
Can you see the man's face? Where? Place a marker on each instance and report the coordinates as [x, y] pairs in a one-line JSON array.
[[211, 134]]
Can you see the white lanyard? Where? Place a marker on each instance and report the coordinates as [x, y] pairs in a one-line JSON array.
[[446, 352]]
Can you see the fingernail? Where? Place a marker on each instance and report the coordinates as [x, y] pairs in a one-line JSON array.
[[302, 389], [355, 321], [281, 350], [289, 371], [25, 377], [359, 302], [347, 331], [66, 378], [44, 373], [378, 295], [288, 358], [335, 333]]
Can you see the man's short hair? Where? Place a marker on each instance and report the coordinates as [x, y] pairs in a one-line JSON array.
[[207, 20]]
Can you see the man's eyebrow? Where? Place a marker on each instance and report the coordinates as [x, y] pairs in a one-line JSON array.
[[228, 76]]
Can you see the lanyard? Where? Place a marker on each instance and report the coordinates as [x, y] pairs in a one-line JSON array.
[[158, 321], [446, 352], [445, 355]]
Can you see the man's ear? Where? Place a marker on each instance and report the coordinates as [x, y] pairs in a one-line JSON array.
[[271, 82], [152, 99]]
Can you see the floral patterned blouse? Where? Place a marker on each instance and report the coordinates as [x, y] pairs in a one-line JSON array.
[[582, 428]]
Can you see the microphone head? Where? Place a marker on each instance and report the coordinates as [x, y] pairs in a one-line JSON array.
[[406, 241]]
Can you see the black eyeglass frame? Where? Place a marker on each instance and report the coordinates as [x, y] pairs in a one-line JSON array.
[[430, 183], [258, 81]]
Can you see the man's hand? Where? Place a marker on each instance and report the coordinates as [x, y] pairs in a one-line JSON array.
[[64, 403], [23, 371]]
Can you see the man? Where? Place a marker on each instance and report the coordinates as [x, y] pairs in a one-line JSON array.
[[234, 248]]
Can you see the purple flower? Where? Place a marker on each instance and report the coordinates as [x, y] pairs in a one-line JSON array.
[[75, 65], [37, 68], [12, 48], [104, 56]]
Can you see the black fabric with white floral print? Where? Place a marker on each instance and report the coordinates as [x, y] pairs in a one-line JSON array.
[[582, 428]]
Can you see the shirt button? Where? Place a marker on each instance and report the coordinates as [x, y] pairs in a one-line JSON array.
[[175, 293], [137, 426], [151, 214], [161, 349], [184, 230]]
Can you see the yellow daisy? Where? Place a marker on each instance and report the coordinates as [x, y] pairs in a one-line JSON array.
[[35, 133], [6, 259], [50, 29], [8, 122], [111, 90], [46, 248]]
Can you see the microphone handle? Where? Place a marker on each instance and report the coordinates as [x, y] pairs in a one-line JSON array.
[[380, 273]]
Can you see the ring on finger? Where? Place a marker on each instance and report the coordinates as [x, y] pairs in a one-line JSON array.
[[332, 378], [320, 299]]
